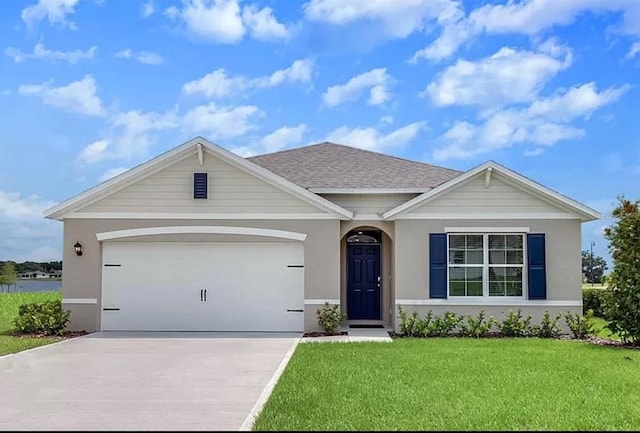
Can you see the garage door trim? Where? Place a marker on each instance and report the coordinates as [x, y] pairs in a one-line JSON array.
[[227, 230]]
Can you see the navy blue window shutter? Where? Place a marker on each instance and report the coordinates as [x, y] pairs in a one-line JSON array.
[[200, 185], [536, 263], [438, 265]]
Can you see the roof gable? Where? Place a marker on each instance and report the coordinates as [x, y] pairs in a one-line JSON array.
[[196, 145], [540, 196], [330, 167]]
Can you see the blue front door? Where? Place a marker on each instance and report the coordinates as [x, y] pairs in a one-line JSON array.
[[363, 282]]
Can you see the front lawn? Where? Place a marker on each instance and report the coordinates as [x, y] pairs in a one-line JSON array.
[[457, 384], [599, 324], [9, 303]]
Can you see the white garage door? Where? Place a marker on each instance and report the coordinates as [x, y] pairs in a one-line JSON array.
[[192, 286]]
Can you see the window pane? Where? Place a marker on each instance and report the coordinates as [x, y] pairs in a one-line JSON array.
[[456, 273], [474, 274], [474, 258], [514, 242], [514, 257], [456, 288], [514, 289], [496, 288], [474, 242], [474, 288], [496, 257], [457, 242], [456, 257], [496, 242]]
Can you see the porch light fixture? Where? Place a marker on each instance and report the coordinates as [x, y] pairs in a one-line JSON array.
[[78, 248]]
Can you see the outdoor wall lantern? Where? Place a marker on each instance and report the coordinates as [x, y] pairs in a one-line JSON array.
[[78, 248]]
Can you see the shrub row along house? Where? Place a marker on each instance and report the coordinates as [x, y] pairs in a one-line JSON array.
[[200, 238]]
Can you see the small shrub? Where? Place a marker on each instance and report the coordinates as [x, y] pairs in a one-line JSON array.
[[330, 317], [580, 326], [46, 318], [515, 326], [423, 326], [548, 328], [595, 300], [443, 326], [476, 326], [407, 323]]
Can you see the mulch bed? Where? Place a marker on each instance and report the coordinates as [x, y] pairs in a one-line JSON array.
[[63, 336], [321, 334]]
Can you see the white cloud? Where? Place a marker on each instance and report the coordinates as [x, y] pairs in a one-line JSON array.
[[281, 138], [219, 122], [394, 18], [634, 50], [508, 76], [543, 123], [42, 53], [79, 96], [376, 80], [144, 57], [24, 233], [218, 84], [223, 21], [147, 9], [534, 152], [112, 172], [372, 139], [94, 152], [55, 11], [528, 17], [262, 24], [386, 120]]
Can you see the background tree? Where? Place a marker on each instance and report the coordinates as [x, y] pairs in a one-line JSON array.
[[9, 276], [593, 273], [623, 309]]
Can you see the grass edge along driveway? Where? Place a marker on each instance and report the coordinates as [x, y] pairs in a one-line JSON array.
[[457, 384], [9, 303]]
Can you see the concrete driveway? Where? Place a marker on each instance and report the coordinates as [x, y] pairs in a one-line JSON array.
[[141, 381]]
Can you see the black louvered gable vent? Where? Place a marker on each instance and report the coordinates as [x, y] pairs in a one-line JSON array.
[[200, 184]]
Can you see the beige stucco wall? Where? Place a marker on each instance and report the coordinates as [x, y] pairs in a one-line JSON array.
[[82, 275], [562, 248]]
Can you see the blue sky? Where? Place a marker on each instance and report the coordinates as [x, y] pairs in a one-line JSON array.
[[89, 88]]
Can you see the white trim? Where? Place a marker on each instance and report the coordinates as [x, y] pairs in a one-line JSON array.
[[491, 230], [200, 154], [484, 216], [79, 301], [369, 190], [321, 301], [189, 148], [247, 231], [487, 178], [367, 217], [490, 302], [582, 211], [200, 216]]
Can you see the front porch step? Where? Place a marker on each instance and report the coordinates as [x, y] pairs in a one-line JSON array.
[[369, 334]]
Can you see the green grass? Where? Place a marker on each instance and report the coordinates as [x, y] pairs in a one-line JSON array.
[[9, 303], [457, 384], [599, 324]]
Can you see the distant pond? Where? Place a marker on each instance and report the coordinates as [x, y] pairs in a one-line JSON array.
[[34, 286]]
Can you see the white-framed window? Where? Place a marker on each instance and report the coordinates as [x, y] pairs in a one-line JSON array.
[[486, 265]]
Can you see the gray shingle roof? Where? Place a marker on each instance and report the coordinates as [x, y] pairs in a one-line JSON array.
[[330, 165]]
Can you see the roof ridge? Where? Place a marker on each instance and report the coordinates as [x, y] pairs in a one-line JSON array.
[[359, 150]]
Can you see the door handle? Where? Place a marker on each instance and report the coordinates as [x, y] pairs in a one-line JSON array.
[[205, 295], [201, 295]]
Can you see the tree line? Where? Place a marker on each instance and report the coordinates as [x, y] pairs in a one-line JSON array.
[[34, 266]]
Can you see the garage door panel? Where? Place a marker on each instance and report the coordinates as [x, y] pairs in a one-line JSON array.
[[157, 286]]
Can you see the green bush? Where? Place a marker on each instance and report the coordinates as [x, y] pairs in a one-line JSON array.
[[476, 326], [330, 318], [515, 326], [548, 328], [595, 300], [46, 318], [443, 326], [581, 327], [407, 323]]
